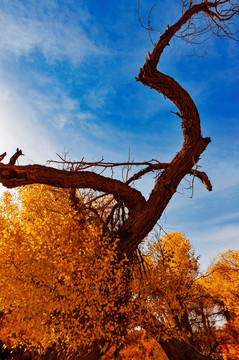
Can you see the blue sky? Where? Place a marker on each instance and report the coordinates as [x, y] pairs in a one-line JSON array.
[[67, 83]]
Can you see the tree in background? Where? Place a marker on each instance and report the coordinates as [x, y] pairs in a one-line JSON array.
[[132, 217], [223, 284], [171, 282], [170, 289], [176, 302]]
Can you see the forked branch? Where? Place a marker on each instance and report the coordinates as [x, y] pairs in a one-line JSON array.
[[142, 215]]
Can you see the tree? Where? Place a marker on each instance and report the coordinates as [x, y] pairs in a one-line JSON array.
[[169, 287], [132, 217], [171, 283], [173, 300], [223, 285]]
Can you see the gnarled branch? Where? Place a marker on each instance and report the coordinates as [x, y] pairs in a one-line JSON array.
[[14, 176]]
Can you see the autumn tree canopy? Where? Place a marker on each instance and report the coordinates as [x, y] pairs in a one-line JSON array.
[[128, 217], [62, 284], [62, 281]]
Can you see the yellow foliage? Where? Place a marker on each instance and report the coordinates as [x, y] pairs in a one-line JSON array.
[[223, 280], [61, 282], [58, 278], [169, 285]]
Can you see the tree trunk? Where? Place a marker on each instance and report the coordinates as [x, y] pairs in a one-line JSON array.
[[180, 350]]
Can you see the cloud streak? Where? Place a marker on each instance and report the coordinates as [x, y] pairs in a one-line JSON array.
[[25, 32]]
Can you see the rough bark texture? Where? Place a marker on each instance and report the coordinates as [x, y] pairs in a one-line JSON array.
[[13, 176], [143, 215]]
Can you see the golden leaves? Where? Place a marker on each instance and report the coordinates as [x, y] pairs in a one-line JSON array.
[[61, 282], [58, 275]]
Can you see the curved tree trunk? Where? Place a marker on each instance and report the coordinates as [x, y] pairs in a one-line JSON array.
[[143, 215]]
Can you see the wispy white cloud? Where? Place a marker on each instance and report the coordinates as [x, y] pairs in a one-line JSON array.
[[56, 107], [223, 219], [24, 31], [222, 236], [50, 122], [97, 97], [21, 128]]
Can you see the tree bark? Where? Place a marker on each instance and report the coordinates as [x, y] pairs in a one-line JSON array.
[[14, 176], [180, 350]]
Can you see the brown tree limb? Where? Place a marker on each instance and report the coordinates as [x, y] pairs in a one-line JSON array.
[[14, 158], [203, 177], [14, 176], [2, 156], [194, 144], [149, 168], [160, 166], [102, 163]]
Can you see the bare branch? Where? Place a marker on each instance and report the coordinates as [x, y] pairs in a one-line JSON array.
[[148, 27], [81, 165], [14, 158], [176, 113], [149, 168], [2, 156], [215, 17], [203, 177]]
